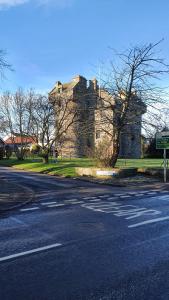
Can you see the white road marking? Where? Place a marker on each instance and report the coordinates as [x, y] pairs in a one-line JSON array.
[[56, 205], [86, 198], [112, 198], [117, 210], [27, 209], [163, 191], [5, 258], [17, 220], [47, 203], [101, 204], [71, 200], [149, 222], [77, 202], [139, 194], [151, 193], [104, 196], [166, 197], [133, 193], [95, 200], [125, 196], [142, 212]]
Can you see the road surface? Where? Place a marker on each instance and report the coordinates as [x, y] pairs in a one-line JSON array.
[[83, 241]]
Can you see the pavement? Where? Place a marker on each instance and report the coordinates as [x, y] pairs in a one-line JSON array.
[[82, 241]]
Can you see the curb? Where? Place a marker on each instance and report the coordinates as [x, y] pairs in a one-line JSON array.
[[97, 182]]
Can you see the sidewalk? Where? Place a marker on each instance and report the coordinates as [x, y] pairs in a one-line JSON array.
[[13, 195]]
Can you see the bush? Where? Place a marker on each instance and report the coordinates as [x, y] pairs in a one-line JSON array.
[[1, 153], [103, 153], [35, 149], [8, 151]]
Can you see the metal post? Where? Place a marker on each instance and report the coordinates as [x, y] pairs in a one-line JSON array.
[[165, 166]]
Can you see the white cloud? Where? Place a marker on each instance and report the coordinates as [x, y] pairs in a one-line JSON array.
[[8, 3], [59, 3]]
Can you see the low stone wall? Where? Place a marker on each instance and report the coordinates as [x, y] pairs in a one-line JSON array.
[[153, 172], [106, 173]]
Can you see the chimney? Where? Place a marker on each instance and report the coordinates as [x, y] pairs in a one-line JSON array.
[[81, 81], [59, 86], [93, 84]]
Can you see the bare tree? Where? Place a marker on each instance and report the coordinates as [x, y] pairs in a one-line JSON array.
[[127, 90], [4, 64], [46, 120], [52, 119], [16, 120]]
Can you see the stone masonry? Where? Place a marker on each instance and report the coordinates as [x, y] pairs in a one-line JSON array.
[[83, 136]]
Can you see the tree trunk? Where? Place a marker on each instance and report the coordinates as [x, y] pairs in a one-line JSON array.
[[112, 159], [45, 159], [20, 154]]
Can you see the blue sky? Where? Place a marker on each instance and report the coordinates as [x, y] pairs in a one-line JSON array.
[[50, 40]]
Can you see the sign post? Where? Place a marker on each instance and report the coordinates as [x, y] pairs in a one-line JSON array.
[[162, 142], [165, 166]]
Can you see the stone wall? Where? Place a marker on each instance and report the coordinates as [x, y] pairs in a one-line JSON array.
[[84, 135]]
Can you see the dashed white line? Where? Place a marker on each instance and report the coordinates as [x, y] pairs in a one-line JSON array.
[[132, 193], [71, 200], [5, 258], [56, 205], [76, 202], [95, 200], [30, 208], [151, 193], [112, 198], [48, 203]]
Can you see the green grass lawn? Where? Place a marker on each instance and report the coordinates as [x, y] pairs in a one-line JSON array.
[[66, 167], [140, 163]]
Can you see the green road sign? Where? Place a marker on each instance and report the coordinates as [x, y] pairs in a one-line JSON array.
[[162, 140]]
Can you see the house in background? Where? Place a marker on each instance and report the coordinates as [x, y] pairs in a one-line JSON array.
[[17, 141], [2, 147], [2, 143]]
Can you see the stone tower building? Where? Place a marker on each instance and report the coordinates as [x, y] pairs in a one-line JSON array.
[[84, 135]]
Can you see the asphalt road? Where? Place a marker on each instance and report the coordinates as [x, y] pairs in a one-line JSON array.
[[78, 241]]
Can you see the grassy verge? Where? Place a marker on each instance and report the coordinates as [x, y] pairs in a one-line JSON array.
[[66, 167]]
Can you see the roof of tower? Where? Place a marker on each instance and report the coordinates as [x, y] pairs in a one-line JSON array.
[[67, 85]]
